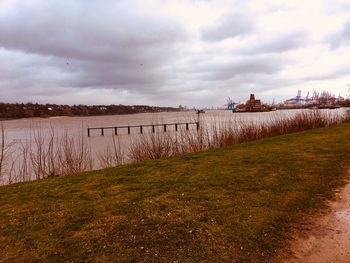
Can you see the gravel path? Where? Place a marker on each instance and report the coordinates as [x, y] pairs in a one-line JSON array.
[[329, 237]]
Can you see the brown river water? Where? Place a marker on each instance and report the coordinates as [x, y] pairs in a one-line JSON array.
[[22, 131]]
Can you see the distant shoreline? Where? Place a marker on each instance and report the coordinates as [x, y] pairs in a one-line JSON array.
[[13, 111]]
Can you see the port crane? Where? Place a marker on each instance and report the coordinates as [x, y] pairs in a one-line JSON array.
[[230, 104], [317, 98]]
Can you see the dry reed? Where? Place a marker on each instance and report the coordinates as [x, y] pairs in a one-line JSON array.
[[48, 154], [225, 133], [5, 153], [45, 155], [113, 155]]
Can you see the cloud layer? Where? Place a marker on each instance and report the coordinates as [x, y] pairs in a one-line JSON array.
[[193, 53]]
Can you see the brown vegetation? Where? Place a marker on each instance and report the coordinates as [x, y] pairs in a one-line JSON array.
[[28, 110], [5, 152], [231, 204], [225, 133], [52, 155], [113, 155], [49, 155]]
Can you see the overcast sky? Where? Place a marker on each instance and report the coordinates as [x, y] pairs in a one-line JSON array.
[[168, 52]]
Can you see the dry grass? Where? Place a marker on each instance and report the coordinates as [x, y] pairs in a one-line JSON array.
[[5, 153], [113, 155], [151, 146], [225, 133], [231, 204], [44, 155]]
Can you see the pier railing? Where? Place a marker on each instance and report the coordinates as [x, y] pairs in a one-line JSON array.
[[140, 127]]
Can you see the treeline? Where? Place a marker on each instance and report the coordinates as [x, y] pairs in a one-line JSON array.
[[345, 103], [28, 110]]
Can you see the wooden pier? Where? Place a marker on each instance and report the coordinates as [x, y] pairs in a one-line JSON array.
[[140, 127]]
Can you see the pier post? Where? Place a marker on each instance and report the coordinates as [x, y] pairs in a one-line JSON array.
[[176, 127]]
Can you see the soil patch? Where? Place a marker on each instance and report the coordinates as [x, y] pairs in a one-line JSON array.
[[329, 237]]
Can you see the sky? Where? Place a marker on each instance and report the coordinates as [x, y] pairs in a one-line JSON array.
[[172, 52]]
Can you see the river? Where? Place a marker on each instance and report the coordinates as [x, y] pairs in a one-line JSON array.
[[26, 131]]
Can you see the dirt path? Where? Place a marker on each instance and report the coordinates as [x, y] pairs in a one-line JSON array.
[[329, 237]]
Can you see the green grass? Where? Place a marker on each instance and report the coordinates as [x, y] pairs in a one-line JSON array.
[[237, 203]]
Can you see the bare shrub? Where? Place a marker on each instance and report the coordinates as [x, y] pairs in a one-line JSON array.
[[48, 154], [22, 168], [52, 155], [38, 155], [190, 141], [52, 165], [346, 117], [113, 155], [5, 153], [225, 133], [151, 146], [73, 155]]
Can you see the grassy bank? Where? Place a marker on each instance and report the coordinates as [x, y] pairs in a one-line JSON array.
[[229, 204]]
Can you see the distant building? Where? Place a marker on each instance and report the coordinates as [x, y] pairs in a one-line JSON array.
[[324, 98], [298, 100], [253, 104]]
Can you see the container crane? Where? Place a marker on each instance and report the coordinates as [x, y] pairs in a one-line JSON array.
[[230, 104]]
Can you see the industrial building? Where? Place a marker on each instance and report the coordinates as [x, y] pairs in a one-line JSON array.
[[323, 98]]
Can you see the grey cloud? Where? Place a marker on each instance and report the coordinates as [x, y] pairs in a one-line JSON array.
[[232, 25], [332, 74], [94, 44], [238, 88], [66, 31], [278, 44], [112, 75], [205, 81], [241, 66], [340, 38], [333, 7], [102, 52]]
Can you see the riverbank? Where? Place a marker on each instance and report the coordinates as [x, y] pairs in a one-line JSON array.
[[11, 111], [239, 203]]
